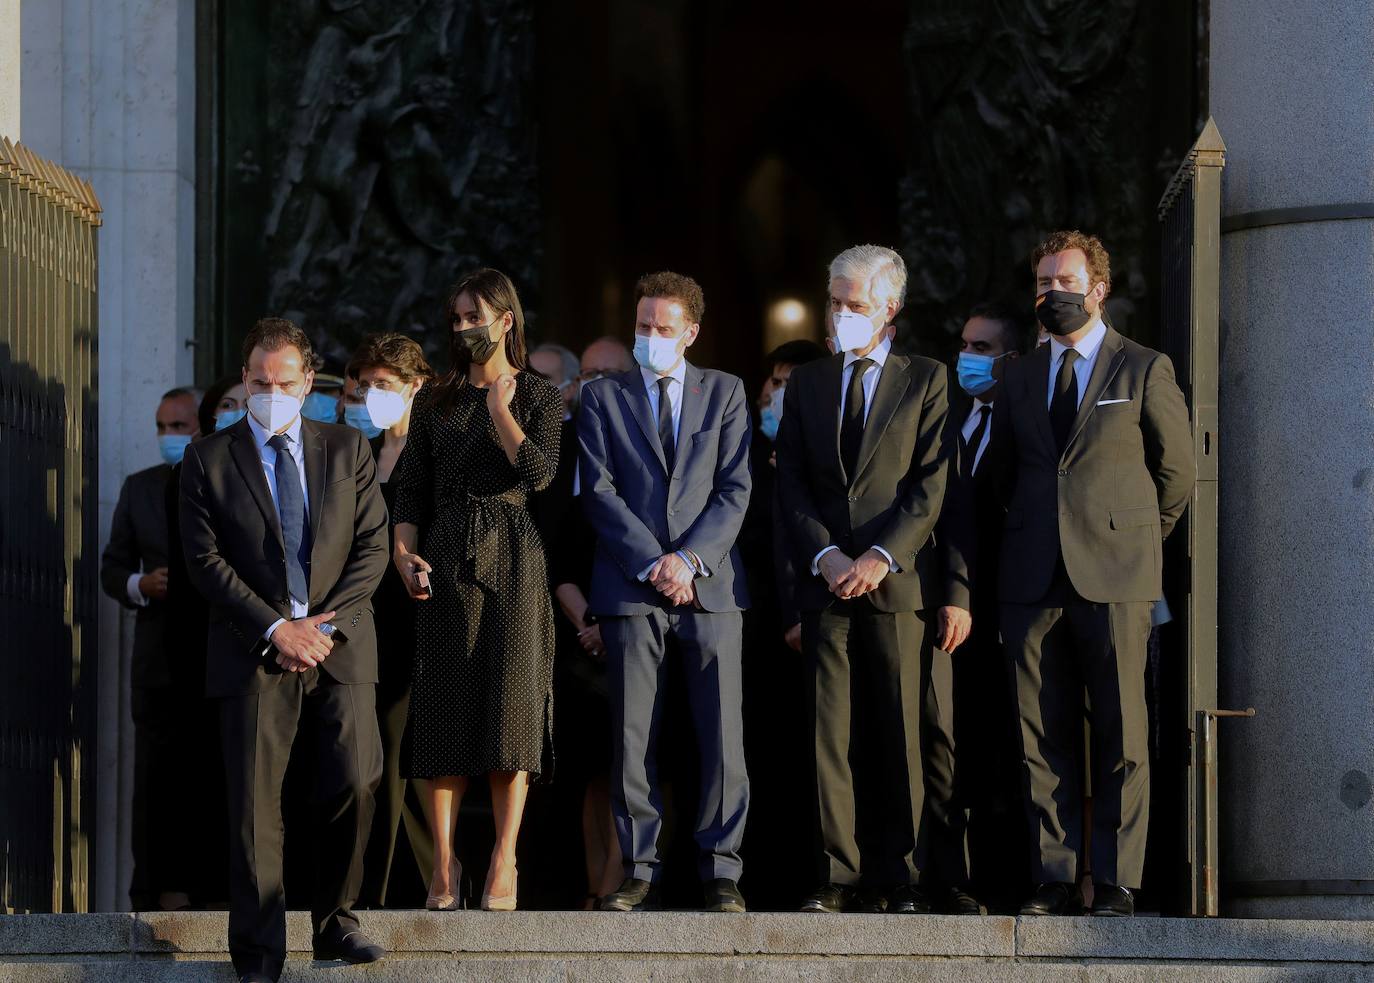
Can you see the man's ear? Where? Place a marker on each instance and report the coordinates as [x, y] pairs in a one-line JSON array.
[[692, 333], [309, 383]]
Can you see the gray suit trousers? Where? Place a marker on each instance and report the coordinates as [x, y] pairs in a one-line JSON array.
[[1059, 652], [710, 645]]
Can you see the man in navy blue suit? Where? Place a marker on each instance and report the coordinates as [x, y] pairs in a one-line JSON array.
[[665, 479]]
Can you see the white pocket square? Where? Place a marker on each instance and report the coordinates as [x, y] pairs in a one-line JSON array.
[[1110, 402]]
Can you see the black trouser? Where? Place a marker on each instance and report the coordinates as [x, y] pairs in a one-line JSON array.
[[1058, 652], [865, 694], [397, 802], [258, 731], [158, 831], [974, 811]]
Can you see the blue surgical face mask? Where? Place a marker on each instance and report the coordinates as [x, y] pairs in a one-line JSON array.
[[770, 417], [320, 408], [227, 418], [357, 417], [975, 372], [173, 446]]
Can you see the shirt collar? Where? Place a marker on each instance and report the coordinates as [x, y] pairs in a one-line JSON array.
[[1086, 348], [878, 355], [678, 375], [261, 436]]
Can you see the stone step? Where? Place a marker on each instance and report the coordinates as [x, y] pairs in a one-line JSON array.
[[668, 947]]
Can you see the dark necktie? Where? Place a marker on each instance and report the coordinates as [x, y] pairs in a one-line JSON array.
[[852, 426], [665, 422], [294, 529], [1064, 405], [968, 456]]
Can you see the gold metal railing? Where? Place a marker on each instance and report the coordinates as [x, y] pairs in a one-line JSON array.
[[48, 534]]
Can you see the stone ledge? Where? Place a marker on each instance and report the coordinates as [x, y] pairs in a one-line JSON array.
[[63, 934], [688, 969], [694, 933], [756, 938], [1196, 939]]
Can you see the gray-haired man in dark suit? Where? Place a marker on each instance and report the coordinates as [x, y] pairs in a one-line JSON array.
[[665, 482], [1098, 467]]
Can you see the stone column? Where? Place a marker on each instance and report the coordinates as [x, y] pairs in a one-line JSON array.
[[10, 48], [109, 92], [1292, 91]]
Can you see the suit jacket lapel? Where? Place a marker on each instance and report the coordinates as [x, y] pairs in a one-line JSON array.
[[637, 405], [316, 452], [244, 450], [693, 413], [1038, 378], [1109, 360], [887, 396], [828, 406]]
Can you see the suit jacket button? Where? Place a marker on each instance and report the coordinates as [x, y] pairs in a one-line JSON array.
[[1063, 473], [853, 498]]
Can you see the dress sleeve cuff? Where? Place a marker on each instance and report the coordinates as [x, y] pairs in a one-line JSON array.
[[891, 563], [816, 560], [136, 597]]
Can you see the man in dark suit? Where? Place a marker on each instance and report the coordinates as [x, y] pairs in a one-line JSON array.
[[1098, 468], [973, 807], [862, 459], [133, 571], [284, 531], [665, 482]]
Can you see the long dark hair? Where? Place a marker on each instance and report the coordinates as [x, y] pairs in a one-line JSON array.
[[493, 288]]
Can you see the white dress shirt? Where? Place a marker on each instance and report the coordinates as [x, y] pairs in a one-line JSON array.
[[1087, 349], [677, 379], [870, 385], [268, 455], [971, 424], [136, 597]]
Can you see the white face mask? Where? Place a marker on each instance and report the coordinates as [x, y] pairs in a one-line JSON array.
[[656, 353], [385, 407], [852, 331], [275, 411]]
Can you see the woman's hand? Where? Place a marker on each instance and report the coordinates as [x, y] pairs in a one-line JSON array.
[[410, 566], [500, 393]]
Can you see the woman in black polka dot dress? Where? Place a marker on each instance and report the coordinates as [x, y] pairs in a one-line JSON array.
[[482, 692]]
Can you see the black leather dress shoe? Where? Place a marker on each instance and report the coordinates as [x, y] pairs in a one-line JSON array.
[[633, 895], [909, 899], [869, 901], [830, 898], [957, 901], [1055, 899], [722, 894], [1111, 901], [353, 947], [257, 978]]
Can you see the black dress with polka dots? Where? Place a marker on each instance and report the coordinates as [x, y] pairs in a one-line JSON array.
[[482, 687]]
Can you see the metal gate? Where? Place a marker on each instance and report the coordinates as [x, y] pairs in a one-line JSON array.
[[1190, 240], [48, 536]]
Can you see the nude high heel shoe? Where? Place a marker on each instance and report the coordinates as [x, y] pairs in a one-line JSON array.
[[503, 903], [452, 901]]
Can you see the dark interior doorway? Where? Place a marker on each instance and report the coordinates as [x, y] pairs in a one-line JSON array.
[[742, 143]]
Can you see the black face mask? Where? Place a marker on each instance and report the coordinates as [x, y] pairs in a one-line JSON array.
[[478, 343], [1061, 312]]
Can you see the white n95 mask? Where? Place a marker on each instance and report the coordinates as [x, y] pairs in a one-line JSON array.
[[385, 407], [852, 331], [275, 411]]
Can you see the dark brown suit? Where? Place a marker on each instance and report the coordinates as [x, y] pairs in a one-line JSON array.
[[878, 644], [1080, 566], [232, 538]]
